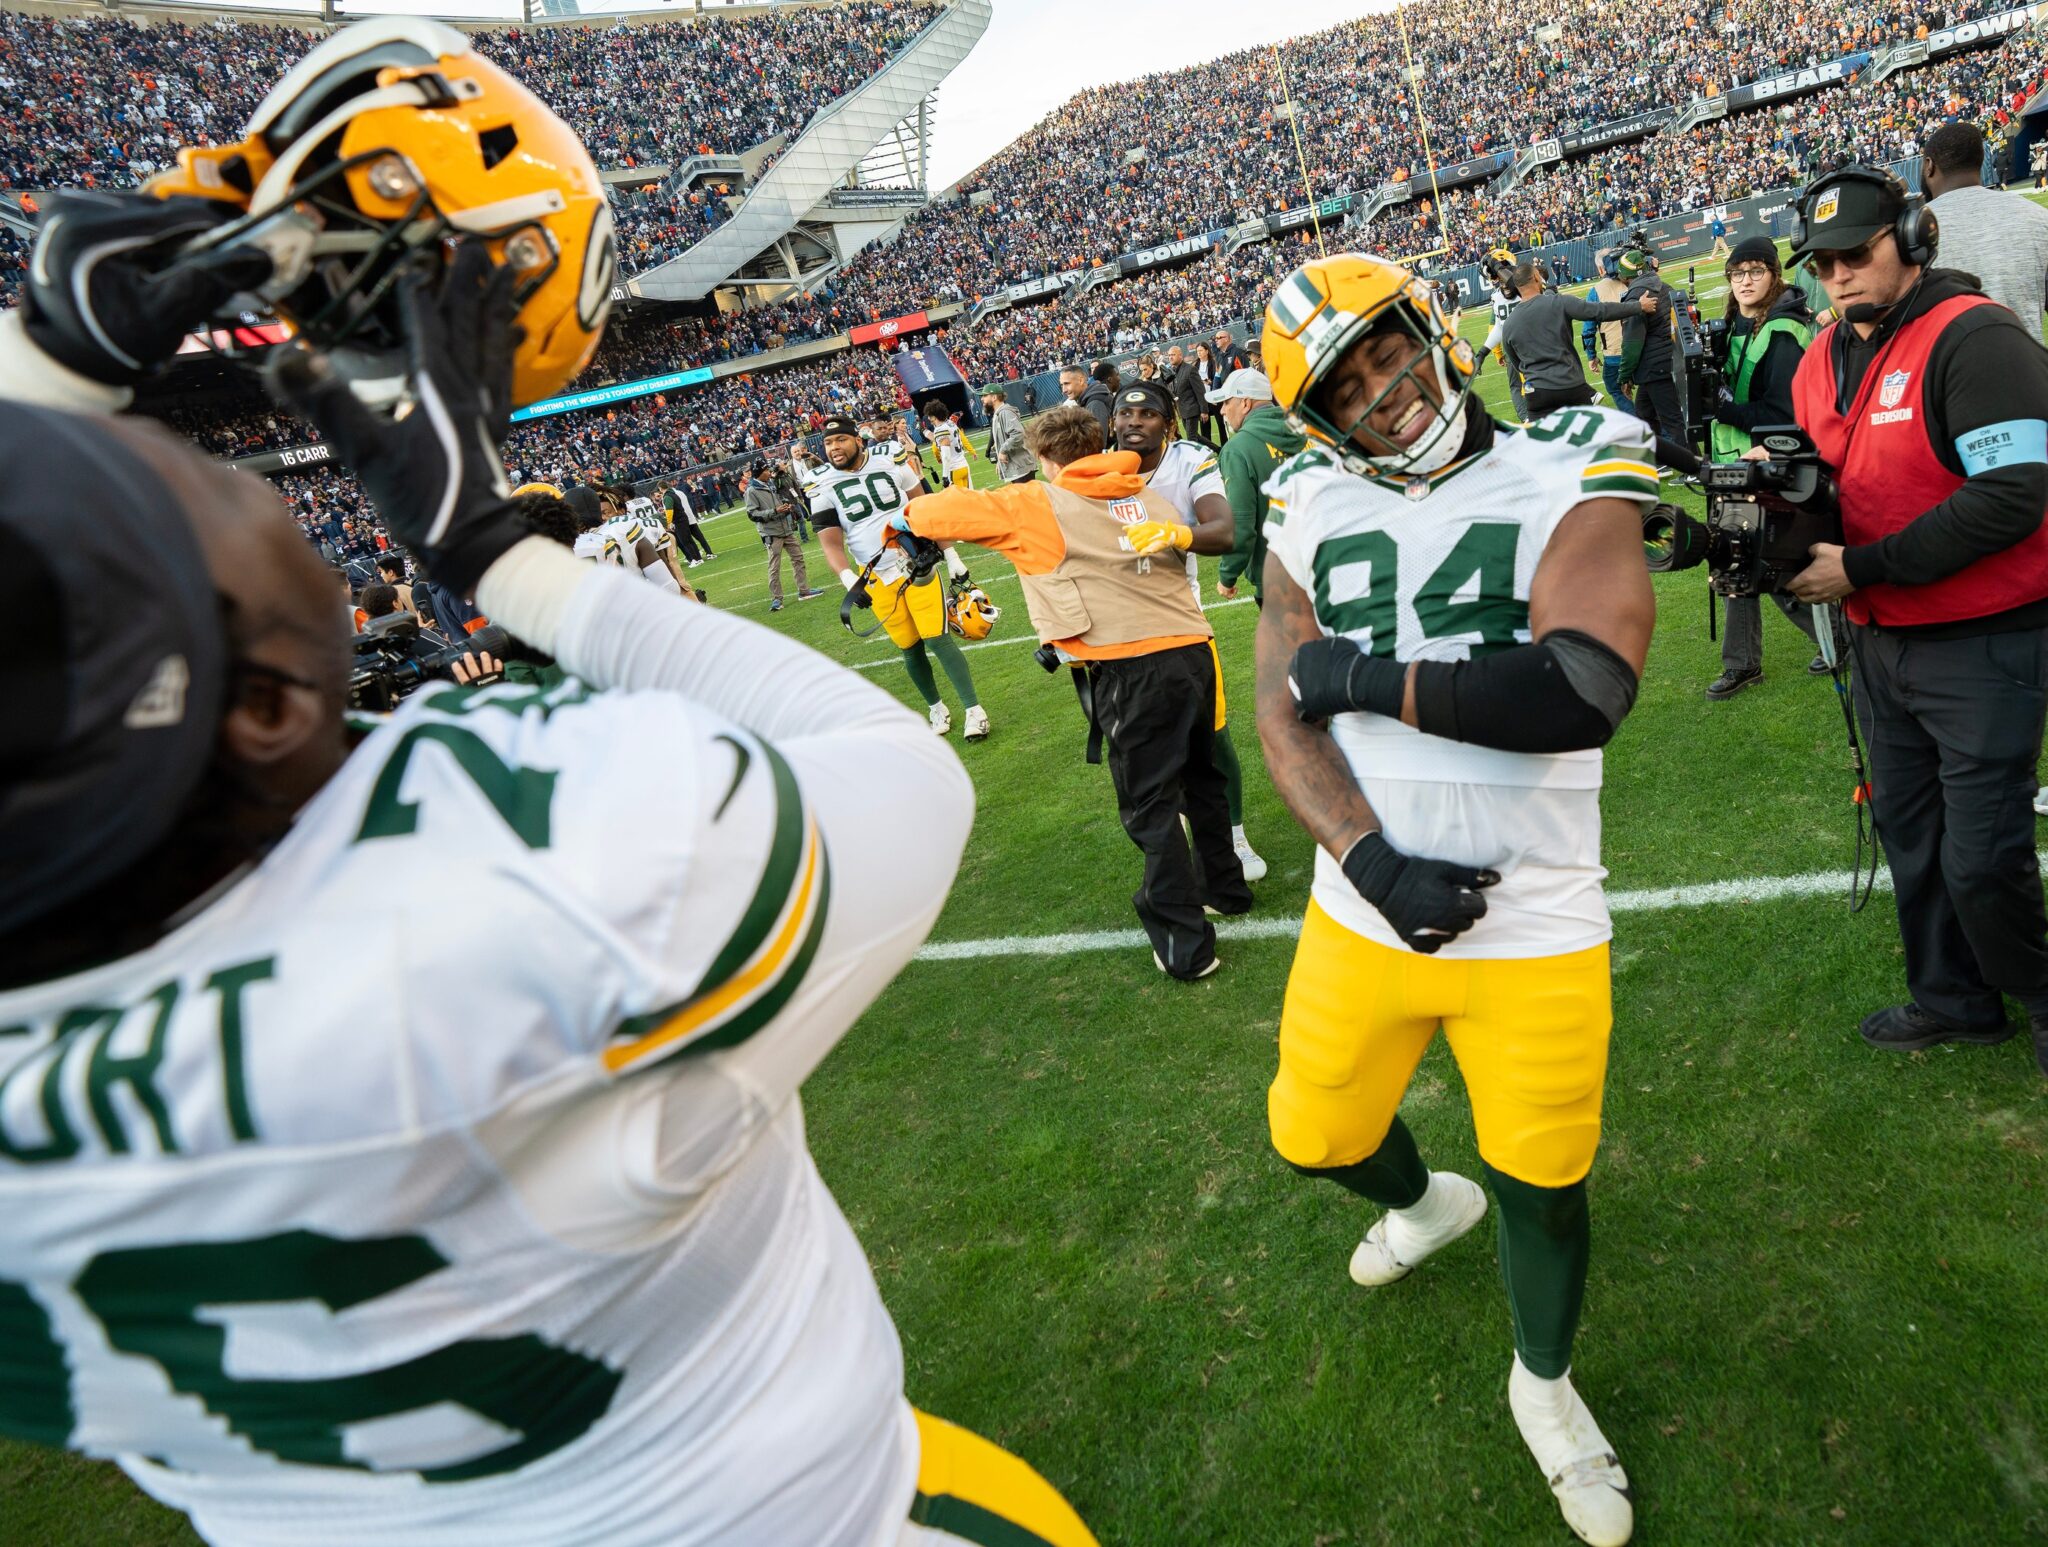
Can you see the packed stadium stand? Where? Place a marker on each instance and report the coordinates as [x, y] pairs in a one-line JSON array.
[[1380, 106]]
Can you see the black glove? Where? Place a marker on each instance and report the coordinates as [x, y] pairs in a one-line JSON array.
[[1724, 396], [109, 297], [1428, 901], [1334, 676], [433, 475]]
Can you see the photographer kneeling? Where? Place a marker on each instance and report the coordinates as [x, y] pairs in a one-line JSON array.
[[1930, 402], [1084, 545], [1769, 327]]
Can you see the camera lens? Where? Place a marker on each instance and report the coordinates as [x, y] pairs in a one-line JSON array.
[[1672, 540]]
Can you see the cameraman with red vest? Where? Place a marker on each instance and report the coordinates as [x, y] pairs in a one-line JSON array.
[[1930, 402]]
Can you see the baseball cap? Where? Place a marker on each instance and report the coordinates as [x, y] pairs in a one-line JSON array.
[[1245, 383], [1633, 263], [1843, 214], [991, 390], [1146, 394], [840, 424], [117, 670]]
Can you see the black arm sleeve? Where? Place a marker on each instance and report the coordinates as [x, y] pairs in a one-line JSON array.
[[1982, 371], [1770, 388], [1565, 693]]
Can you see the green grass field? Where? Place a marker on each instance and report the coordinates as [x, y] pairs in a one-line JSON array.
[[1820, 1273]]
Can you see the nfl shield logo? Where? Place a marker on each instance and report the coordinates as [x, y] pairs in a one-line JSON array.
[[1892, 388]]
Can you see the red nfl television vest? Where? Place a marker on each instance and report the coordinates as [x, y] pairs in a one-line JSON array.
[[1889, 474]]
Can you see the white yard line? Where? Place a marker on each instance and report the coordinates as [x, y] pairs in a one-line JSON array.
[[1655, 899]]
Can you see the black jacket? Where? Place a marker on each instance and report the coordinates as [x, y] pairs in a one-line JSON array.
[[1984, 369], [1099, 401], [1770, 380]]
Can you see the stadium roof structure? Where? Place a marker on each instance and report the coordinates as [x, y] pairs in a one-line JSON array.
[[855, 173]]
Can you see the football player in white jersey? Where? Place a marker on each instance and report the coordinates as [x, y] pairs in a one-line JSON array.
[[943, 430], [629, 543], [1143, 421], [1456, 619], [1499, 269], [338, 1218], [867, 483]]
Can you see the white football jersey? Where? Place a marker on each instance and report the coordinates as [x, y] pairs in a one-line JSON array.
[[1186, 472], [343, 1216], [861, 500], [598, 544], [643, 510], [952, 443], [1439, 569]]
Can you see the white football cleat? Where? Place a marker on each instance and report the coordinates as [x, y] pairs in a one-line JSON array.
[[1214, 963], [976, 728], [1247, 856], [942, 719], [1401, 1239], [1576, 1460]]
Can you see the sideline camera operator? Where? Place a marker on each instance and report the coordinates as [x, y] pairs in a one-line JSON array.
[[1768, 329], [1930, 402], [1537, 338]]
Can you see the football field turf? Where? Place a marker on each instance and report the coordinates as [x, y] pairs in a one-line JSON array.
[[1820, 1273]]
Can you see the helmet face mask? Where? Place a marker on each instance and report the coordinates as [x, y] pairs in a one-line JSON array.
[[1327, 311], [374, 154]]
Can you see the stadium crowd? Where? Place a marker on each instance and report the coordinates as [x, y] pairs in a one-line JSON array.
[[1717, 161], [107, 101], [1067, 193]]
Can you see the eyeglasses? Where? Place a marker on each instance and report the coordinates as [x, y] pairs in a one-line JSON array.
[[1823, 263], [1748, 271]]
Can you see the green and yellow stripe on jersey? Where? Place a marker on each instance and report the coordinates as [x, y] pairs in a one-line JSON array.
[[972, 1492], [762, 963], [1619, 471]]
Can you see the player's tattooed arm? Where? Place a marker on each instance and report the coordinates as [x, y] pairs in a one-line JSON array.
[[1307, 768]]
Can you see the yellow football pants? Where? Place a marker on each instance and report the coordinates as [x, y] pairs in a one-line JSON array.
[[960, 477], [1222, 711], [969, 1490], [1530, 1037], [910, 612]]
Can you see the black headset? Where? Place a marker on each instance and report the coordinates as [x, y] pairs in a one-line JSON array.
[[1915, 230]]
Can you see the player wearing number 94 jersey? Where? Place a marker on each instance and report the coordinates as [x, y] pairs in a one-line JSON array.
[[1455, 622], [339, 1216]]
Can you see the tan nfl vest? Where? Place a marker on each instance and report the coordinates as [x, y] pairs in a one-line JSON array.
[[1103, 594]]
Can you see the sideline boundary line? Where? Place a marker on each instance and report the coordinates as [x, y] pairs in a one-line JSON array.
[[1656, 899]]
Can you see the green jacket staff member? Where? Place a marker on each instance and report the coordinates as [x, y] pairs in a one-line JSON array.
[[1260, 440], [1769, 327], [1930, 402]]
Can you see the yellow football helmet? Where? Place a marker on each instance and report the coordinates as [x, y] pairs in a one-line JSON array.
[[970, 614], [386, 142], [1328, 306]]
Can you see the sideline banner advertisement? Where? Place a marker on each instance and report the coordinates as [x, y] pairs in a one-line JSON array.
[[875, 332], [617, 392]]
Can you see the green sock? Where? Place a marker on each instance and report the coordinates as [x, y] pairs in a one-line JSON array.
[[1545, 1240], [1233, 775], [920, 671], [1392, 1176], [956, 669]]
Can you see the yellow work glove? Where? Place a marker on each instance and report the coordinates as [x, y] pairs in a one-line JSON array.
[[1148, 537]]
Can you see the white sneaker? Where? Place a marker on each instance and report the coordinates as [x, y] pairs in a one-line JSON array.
[[976, 728], [942, 719], [1247, 856], [1576, 1460], [1401, 1239], [2041, 800], [1214, 963]]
